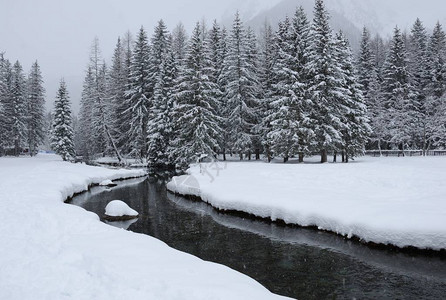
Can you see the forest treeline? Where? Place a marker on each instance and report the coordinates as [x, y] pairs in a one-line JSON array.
[[299, 90]]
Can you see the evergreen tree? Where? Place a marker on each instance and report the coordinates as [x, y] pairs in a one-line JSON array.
[[138, 96], [240, 91], [36, 109], [437, 63], [85, 133], [163, 74], [284, 120], [267, 60], [353, 112], [3, 99], [62, 132], [196, 121], [17, 109], [124, 114], [418, 69], [179, 44], [400, 100], [116, 92], [323, 85], [366, 69]]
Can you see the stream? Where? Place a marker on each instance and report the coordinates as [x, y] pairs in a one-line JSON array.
[[296, 262]]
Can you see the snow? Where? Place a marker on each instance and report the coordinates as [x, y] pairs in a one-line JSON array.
[[398, 201], [52, 250], [118, 208], [106, 182]]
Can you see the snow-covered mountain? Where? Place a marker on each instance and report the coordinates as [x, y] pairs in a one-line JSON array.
[[379, 16]]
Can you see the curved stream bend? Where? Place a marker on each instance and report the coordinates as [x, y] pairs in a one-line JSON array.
[[296, 262]]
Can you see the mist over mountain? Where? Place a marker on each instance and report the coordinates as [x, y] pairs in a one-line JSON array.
[[350, 16]]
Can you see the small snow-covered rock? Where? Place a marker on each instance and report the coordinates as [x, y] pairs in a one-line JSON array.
[[108, 183], [118, 210]]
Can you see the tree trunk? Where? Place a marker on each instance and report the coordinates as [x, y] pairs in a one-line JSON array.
[[346, 158], [241, 156], [323, 156], [343, 156], [224, 154], [334, 156], [301, 157], [285, 159], [249, 155], [115, 148], [257, 154]]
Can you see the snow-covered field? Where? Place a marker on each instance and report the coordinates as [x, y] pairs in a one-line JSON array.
[[398, 201], [51, 250]]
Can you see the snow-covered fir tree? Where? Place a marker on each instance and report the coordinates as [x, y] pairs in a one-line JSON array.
[[99, 98], [16, 109], [195, 116], [3, 99], [85, 128], [179, 44], [267, 59], [356, 129], [285, 116], [36, 109], [62, 130], [241, 90], [399, 97], [138, 96], [164, 73], [418, 69], [437, 62], [435, 90], [323, 85], [117, 83]]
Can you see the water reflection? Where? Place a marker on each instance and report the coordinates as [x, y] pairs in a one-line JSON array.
[[296, 262]]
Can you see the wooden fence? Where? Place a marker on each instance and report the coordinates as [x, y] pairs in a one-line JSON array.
[[405, 153]]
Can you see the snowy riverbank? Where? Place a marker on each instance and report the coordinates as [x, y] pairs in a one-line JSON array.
[[398, 201], [51, 250]]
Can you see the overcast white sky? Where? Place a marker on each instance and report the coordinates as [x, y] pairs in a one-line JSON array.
[[58, 33]]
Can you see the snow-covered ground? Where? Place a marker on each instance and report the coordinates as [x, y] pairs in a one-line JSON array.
[[398, 201], [51, 250]]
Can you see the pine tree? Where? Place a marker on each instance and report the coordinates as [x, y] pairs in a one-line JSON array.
[[99, 99], [85, 133], [124, 114], [267, 60], [62, 131], [116, 92], [179, 44], [3, 99], [196, 120], [241, 86], [36, 109], [284, 119], [323, 85], [366, 70], [437, 63], [418, 69], [138, 96], [17, 109], [356, 129], [163, 74], [400, 100]]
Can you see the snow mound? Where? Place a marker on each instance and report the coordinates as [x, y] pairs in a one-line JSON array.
[[118, 208], [185, 185], [107, 182]]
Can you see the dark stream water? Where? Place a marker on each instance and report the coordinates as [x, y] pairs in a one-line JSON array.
[[296, 262]]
